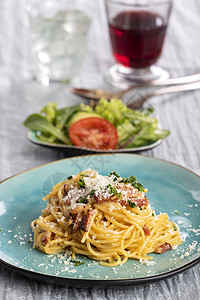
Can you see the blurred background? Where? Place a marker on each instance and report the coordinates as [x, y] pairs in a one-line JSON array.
[[20, 95], [182, 41]]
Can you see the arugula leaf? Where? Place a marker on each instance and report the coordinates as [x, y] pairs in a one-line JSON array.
[[130, 136], [64, 114], [148, 134], [40, 123]]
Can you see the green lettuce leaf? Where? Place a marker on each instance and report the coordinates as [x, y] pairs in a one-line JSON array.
[[40, 123]]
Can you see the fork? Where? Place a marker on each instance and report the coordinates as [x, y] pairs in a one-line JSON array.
[[138, 103]]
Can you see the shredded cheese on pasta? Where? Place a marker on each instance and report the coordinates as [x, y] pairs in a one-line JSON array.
[[107, 218]]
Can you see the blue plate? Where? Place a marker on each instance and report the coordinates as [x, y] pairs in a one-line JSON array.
[[172, 189]]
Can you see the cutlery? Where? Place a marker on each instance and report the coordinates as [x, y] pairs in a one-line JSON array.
[[96, 94], [138, 103]]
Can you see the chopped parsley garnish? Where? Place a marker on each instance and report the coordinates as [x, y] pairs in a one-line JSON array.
[[83, 200], [133, 180], [114, 174], [112, 190], [0, 229], [119, 195], [77, 262], [91, 193], [81, 183], [132, 204], [153, 215], [139, 186], [70, 177]]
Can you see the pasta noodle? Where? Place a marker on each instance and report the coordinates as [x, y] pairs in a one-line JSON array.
[[107, 218]]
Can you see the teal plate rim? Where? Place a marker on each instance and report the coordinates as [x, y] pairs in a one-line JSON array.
[[85, 282]]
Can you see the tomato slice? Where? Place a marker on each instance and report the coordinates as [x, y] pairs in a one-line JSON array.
[[94, 132]]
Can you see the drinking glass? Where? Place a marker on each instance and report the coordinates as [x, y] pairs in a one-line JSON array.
[[59, 37], [137, 32]]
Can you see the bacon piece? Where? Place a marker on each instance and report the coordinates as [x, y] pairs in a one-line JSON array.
[[65, 188], [163, 248], [104, 197], [141, 202], [68, 196], [46, 237], [79, 217], [80, 208], [130, 191], [146, 230], [68, 216], [68, 201], [87, 220], [77, 221]]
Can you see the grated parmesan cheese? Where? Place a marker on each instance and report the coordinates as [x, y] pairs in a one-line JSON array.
[[146, 262]]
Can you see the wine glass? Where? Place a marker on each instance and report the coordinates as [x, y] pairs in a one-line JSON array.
[[137, 33]]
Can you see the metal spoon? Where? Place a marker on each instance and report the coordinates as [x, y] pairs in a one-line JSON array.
[[97, 94]]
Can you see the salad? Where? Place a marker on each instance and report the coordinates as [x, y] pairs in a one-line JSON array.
[[107, 126]]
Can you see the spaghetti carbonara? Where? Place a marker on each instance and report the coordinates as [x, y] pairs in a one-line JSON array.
[[107, 218]]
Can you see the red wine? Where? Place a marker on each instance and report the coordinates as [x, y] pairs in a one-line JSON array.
[[137, 38]]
